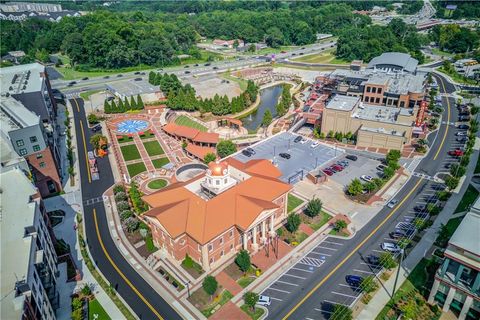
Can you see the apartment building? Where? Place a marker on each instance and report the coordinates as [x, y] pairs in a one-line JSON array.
[[232, 206], [28, 259], [28, 118], [457, 281], [375, 126]]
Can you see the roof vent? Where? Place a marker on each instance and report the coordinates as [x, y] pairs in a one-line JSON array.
[[10, 88], [24, 87]]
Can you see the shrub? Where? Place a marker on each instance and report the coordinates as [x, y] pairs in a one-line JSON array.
[[187, 262], [131, 224], [368, 284], [77, 314], [293, 222], [451, 182], [122, 206], [355, 187], [342, 312], [387, 260], [118, 188], [77, 303], [251, 299], [136, 196], [340, 225], [314, 207], [243, 260], [86, 290], [125, 214], [120, 196]]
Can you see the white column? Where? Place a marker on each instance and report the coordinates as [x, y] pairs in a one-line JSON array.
[[466, 307], [245, 245], [272, 227], [255, 244], [433, 292], [205, 261], [449, 299], [264, 226]]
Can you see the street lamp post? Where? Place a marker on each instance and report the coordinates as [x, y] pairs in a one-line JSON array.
[[398, 272]]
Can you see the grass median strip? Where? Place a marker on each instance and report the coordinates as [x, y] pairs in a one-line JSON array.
[[159, 163], [130, 152]]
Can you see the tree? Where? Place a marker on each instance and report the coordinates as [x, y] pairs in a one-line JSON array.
[[355, 187], [314, 207], [250, 298], [368, 284], [457, 170], [267, 118], [210, 285], [209, 157], [293, 222], [92, 119], [140, 105], [387, 260], [341, 312], [133, 104], [243, 261], [451, 182], [388, 172], [339, 225], [127, 104], [106, 107], [98, 141], [226, 148], [393, 156]]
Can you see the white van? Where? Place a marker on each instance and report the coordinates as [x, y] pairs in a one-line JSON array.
[[264, 301]]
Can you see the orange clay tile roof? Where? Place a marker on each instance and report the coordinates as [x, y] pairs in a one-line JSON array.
[[186, 132], [206, 137], [233, 120], [198, 151], [261, 167], [170, 128], [180, 211]]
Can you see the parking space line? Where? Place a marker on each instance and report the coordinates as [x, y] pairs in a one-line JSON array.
[[350, 287], [327, 248], [301, 270], [291, 275], [334, 303], [370, 265], [343, 294], [321, 253], [279, 290], [285, 282], [331, 242], [380, 251], [321, 310], [273, 298], [362, 271]]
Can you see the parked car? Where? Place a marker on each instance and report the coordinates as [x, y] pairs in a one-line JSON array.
[[297, 139], [420, 208], [71, 83], [110, 98], [337, 167], [136, 72], [246, 153], [448, 165], [328, 172], [431, 199], [215, 68], [392, 203], [461, 133], [187, 72], [373, 260], [390, 247], [463, 126], [464, 118], [381, 167], [284, 155], [187, 66], [304, 141], [343, 163], [456, 153], [106, 77], [251, 150], [439, 187], [119, 75], [462, 139], [264, 300], [138, 79], [85, 78], [195, 65], [351, 157], [353, 280], [397, 234], [366, 178], [315, 144], [97, 128]]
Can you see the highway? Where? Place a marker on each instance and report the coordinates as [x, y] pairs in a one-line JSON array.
[[139, 295], [311, 288], [95, 83]]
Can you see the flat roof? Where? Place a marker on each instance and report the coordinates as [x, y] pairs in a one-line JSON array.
[[132, 88], [467, 236], [18, 212], [377, 113], [399, 59], [14, 115], [22, 78], [343, 103], [383, 131]]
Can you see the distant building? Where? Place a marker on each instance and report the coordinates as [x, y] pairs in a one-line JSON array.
[[28, 262], [30, 7], [228, 43], [128, 88], [50, 16], [28, 121], [457, 281], [211, 217], [14, 56], [394, 62], [469, 68]]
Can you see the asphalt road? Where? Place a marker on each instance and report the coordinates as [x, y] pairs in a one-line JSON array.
[[316, 283], [139, 295]]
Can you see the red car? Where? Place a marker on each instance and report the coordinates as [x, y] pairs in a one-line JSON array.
[[337, 167], [456, 153], [328, 172]]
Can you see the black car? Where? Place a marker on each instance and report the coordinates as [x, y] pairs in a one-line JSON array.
[[138, 72], [86, 78], [297, 139], [251, 150], [353, 280], [245, 152], [464, 113], [462, 139], [138, 79], [215, 68], [351, 157], [448, 165], [463, 126], [285, 155], [187, 66], [119, 75], [110, 98], [207, 64], [97, 128], [106, 77], [397, 234], [464, 118], [195, 65], [373, 260], [187, 72], [420, 208], [71, 83]]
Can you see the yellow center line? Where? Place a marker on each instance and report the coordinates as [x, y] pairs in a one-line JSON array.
[[352, 252], [76, 103], [448, 121], [119, 271], [85, 148]]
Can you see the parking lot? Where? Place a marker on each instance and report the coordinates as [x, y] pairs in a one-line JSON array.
[[355, 169], [303, 158]]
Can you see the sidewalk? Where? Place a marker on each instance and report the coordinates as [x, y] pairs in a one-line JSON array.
[[380, 299]]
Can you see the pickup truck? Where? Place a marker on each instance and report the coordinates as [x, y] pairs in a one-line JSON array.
[[456, 153], [92, 163]]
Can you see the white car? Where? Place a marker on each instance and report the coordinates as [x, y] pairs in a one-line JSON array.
[[264, 300], [303, 141], [315, 144], [366, 178], [461, 133], [390, 247]]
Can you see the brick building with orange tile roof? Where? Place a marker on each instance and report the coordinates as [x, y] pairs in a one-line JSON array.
[[232, 206]]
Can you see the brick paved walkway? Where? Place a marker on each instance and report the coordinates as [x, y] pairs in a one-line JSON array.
[[306, 228], [263, 262], [228, 283], [229, 311]]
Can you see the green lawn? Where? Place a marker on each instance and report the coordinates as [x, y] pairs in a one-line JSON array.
[[149, 244], [245, 281], [153, 148], [130, 152], [225, 297], [136, 168], [293, 202], [157, 184], [469, 197], [327, 56], [241, 82], [94, 307], [337, 233], [253, 315], [324, 218], [86, 94], [124, 139], [158, 163], [441, 53], [186, 121], [457, 77]]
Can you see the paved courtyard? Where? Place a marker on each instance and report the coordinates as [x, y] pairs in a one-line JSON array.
[[303, 158]]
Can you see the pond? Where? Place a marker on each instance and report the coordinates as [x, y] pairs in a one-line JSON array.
[[268, 101]]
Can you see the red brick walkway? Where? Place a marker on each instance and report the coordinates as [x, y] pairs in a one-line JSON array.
[[306, 228], [231, 312], [228, 283], [263, 262], [143, 153]]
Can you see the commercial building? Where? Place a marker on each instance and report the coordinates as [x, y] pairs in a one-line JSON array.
[[28, 258], [128, 88], [211, 217], [469, 68], [30, 6], [457, 281], [28, 122]]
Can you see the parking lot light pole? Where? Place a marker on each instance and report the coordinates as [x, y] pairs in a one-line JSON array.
[[398, 272]]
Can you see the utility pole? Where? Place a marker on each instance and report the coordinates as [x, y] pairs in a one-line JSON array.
[[398, 272]]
